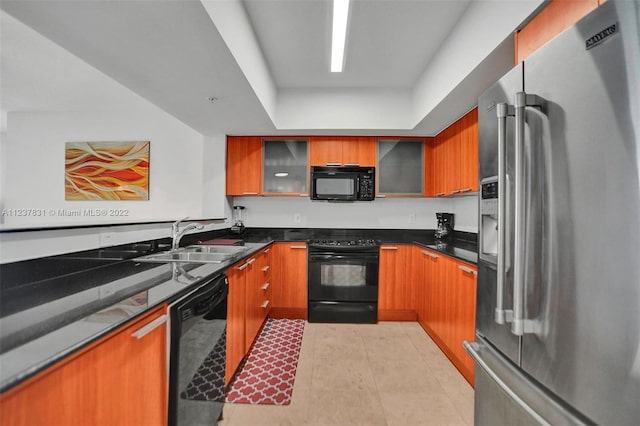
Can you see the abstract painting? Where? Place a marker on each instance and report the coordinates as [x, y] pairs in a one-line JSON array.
[[106, 170]]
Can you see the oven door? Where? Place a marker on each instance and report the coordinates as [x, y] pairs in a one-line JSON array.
[[343, 276]]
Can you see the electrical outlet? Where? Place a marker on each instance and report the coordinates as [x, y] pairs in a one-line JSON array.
[[296, 218], [412, 218]]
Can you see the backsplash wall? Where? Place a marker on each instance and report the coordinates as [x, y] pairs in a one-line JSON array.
[[383, 213]]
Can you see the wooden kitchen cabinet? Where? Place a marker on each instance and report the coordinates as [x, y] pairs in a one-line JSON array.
[[121, 379], [446, 305], [236, 308], [341, 150], [289, 280], [556, 16], [454, 158], [244, 165], [396, 290]]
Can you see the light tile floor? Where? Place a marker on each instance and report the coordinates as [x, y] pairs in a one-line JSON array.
[[390, 373]]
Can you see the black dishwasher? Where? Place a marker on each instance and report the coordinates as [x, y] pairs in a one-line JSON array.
[[198, 354]]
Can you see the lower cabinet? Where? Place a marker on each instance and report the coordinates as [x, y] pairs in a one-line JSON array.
[[121, 379], [396, 290], [289, 280], [446, 304], [247, 306]]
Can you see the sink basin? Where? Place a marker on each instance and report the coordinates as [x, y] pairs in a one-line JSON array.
[[232, 250]]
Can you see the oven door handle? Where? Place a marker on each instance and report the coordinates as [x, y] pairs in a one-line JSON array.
[[339, 256]]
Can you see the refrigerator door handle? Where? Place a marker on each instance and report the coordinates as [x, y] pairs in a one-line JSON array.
[[503, 111], [473, 349], [522, 100]]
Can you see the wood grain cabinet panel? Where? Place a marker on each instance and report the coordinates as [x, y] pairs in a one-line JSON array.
[[446, 305], [244, 165], [341, 150], [289, 280], [556, 16], [396, 288], [121, 379], [236, 311], [454, 157]]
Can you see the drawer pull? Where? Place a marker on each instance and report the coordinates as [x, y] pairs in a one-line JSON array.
[[265, 304], [266, 268], [251, 261], [249, 193], [467, 270], [431, 255], [381, 196], [265, 287], [243, 267], [388, 248], [333, 164], [143, 331], [298, 247], [266, 251]]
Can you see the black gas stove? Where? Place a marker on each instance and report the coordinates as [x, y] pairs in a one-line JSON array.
[[343, 243]]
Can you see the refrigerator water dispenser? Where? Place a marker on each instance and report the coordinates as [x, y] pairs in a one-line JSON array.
[[489, 219]]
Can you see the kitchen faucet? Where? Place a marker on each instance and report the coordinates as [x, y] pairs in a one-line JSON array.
[[176, 235]]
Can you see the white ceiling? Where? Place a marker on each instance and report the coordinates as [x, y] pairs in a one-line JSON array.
[[411, 67]]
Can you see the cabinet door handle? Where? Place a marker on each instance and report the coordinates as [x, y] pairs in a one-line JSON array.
[[440, 194], [333, 164], [464, 190], [431, 255], [265, 304], [243, 267], [388, 248], [249, 193], [381, 196], [265, 251], [251, 261], [455, 191], [148, 328], [298, 247], [265, 287], [266, 268], [467, 270], [303, 195]]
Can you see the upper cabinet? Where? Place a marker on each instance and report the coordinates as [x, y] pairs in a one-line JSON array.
[[341, 150], [453, 157], [286, 167], [244, 165], [400, 167], [552, 20]]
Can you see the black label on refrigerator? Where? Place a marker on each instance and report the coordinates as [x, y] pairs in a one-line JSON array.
[[601, 36]]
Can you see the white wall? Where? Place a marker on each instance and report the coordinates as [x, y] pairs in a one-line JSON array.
[[383, 213]]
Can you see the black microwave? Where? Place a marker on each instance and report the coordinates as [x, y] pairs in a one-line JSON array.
[[343, 183]]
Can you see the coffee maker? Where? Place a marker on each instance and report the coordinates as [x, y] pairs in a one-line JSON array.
[[444, 232]]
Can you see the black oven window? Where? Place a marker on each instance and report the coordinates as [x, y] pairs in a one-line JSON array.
[[334, 186], [343, 275]]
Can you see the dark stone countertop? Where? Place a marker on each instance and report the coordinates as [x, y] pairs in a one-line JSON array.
[[51, 307]]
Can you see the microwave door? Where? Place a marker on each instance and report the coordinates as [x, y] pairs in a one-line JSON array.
[[335, 188]]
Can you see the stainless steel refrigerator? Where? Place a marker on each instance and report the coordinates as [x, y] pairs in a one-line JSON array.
[[558, 314]]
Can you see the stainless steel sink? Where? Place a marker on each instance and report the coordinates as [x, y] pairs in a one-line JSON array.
[[196, 254], [232, 250]]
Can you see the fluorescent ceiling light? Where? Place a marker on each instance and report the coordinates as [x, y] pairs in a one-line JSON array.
[[339, 35]]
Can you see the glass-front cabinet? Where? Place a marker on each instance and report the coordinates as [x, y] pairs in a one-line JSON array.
[[400, 167], [285, 166]]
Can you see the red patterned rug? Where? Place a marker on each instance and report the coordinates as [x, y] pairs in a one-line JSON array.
[[269, 371]]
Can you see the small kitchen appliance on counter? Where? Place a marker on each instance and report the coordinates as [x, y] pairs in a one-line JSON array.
[[445, 226], [238, 224]]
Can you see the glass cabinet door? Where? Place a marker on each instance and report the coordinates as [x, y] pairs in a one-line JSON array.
[[400, 167], [285, 166]]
